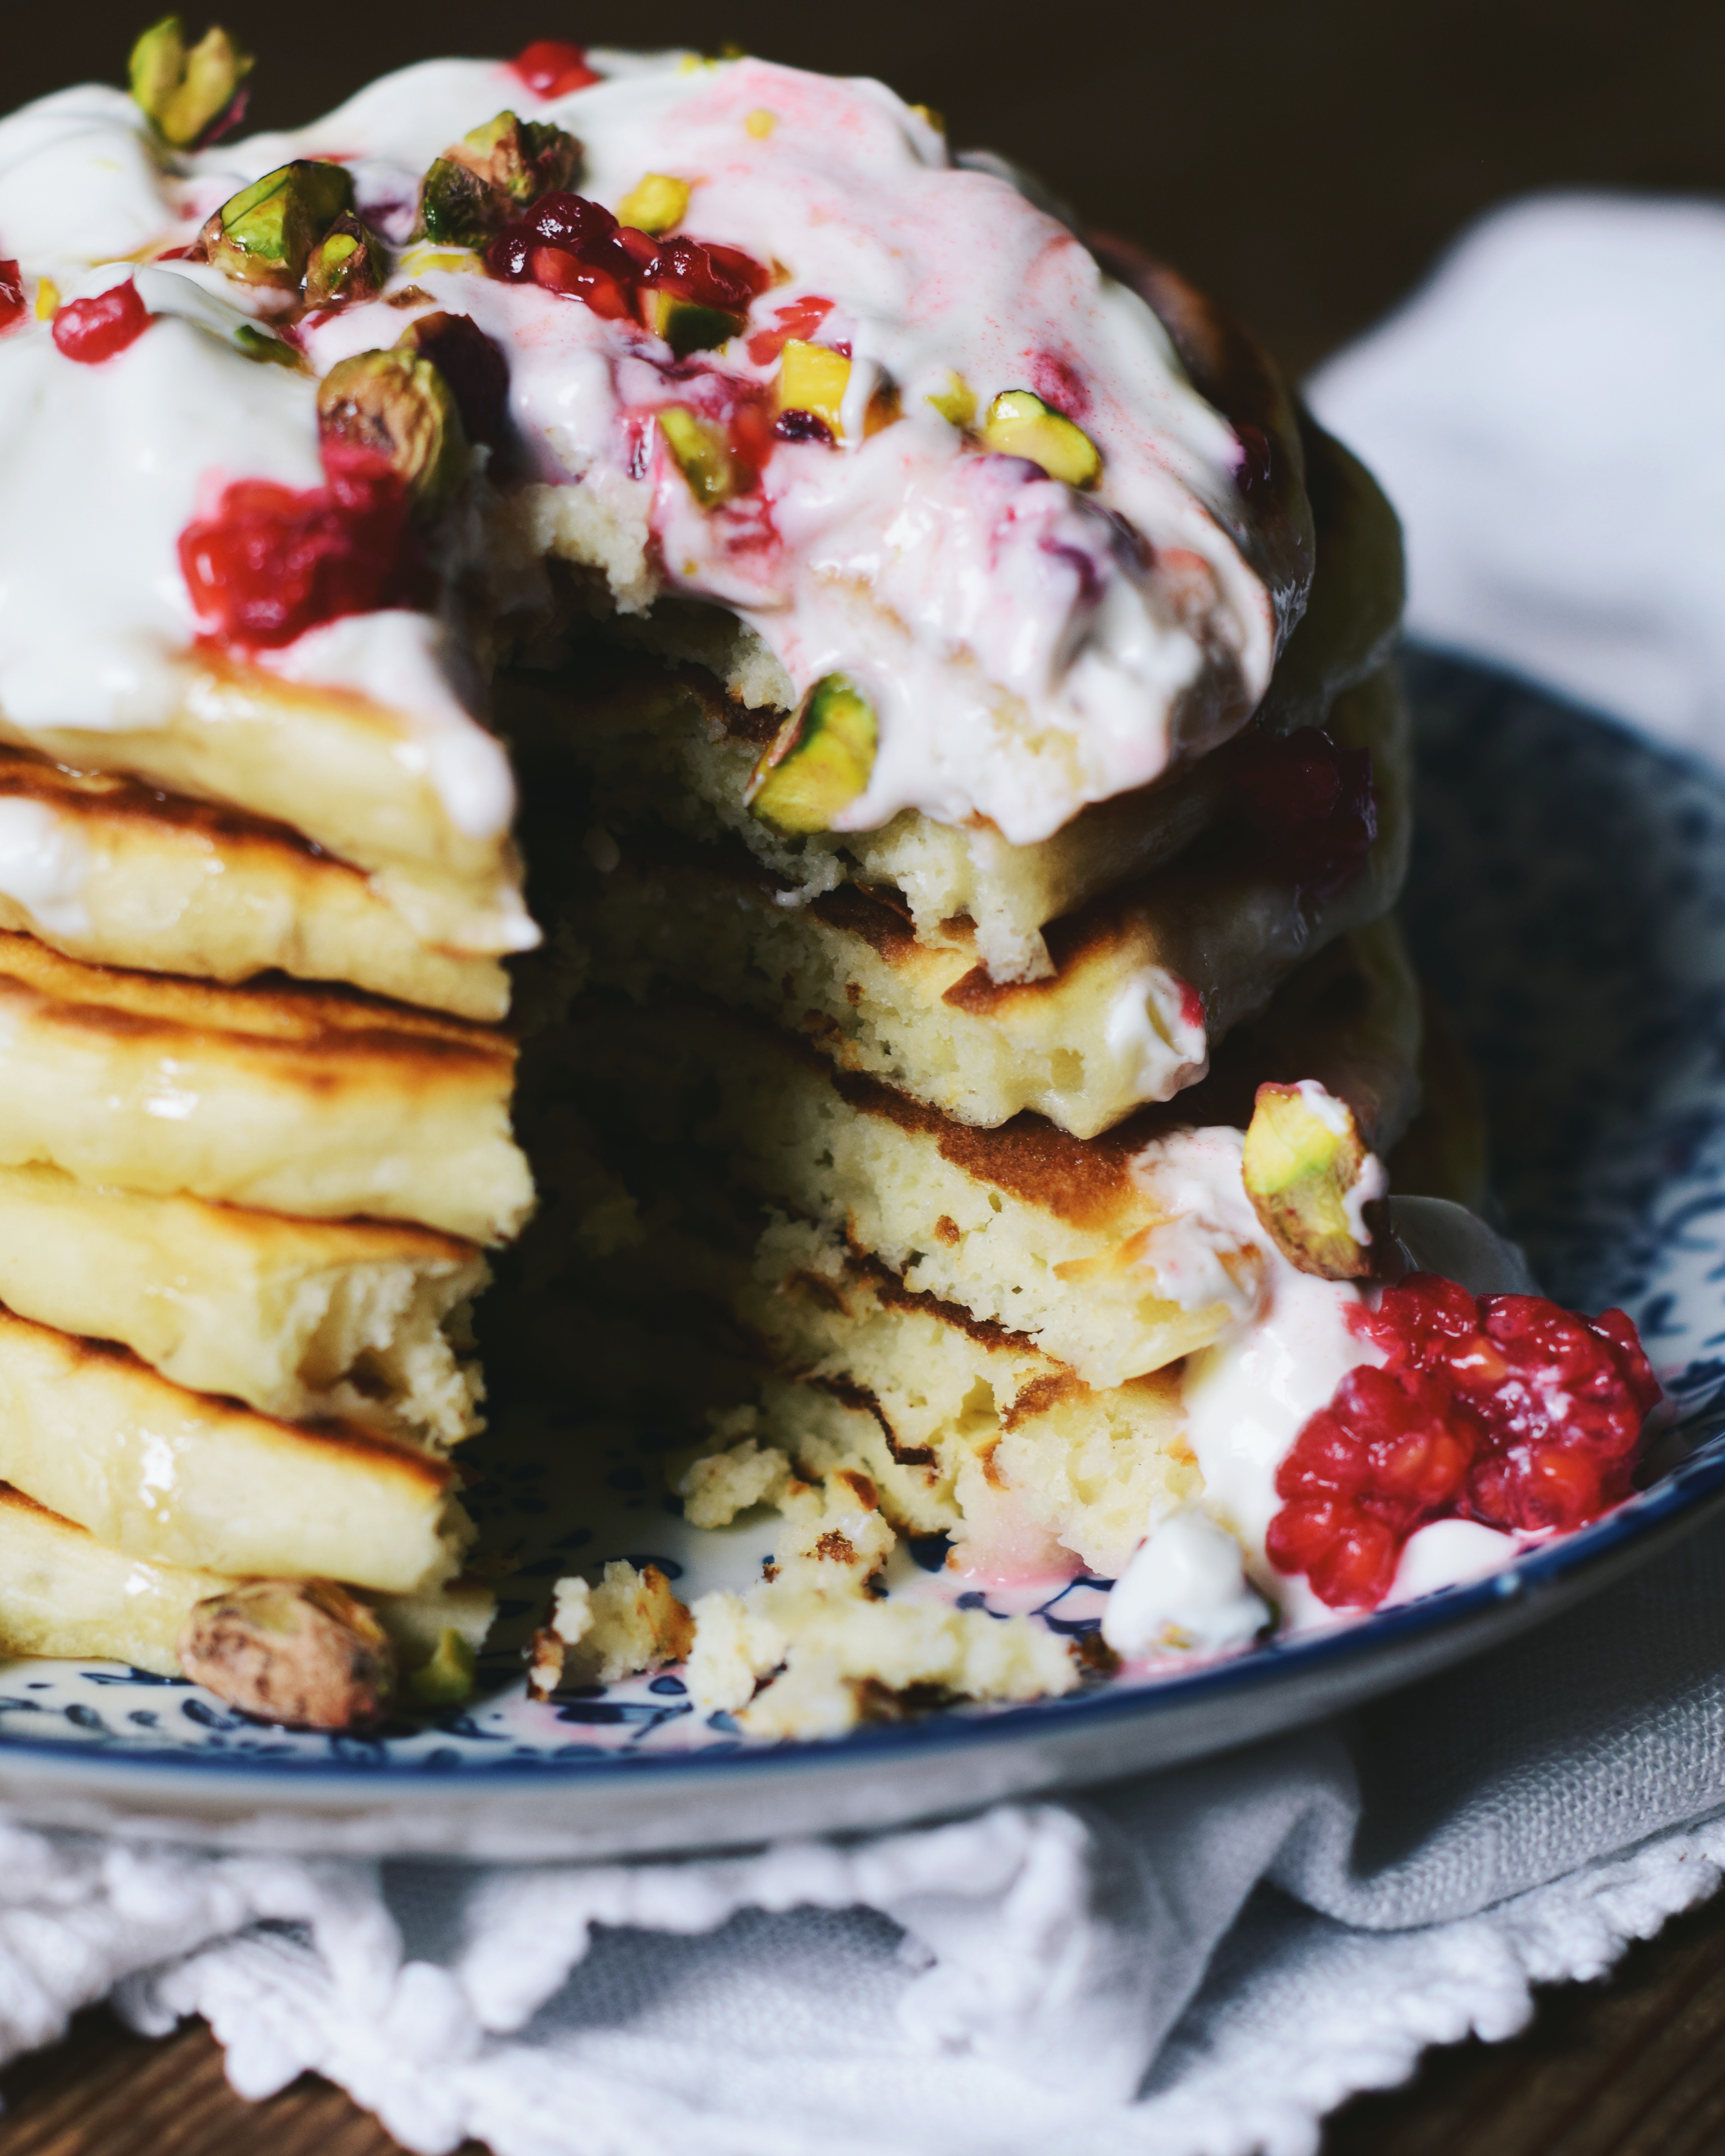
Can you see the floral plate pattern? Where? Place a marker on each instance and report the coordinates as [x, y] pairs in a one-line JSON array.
[[1567, 902]]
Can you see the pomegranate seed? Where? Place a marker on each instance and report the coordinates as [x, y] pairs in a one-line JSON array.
[[559, 271], [800, 319], [802, 426], [1505, 1409], [91, 331], [551, 68], [562, 219], [11, 295]]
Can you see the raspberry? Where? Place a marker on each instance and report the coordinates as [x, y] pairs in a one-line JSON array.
[[1504, 1408], [274, 561]]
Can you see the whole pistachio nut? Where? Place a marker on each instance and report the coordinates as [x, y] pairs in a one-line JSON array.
[[186, 92], [397, 403], [304, 1652], [343, 266], [456, 207], [820, 760], [265, 234], [474, 367], [469, 191], [1313, 1180]]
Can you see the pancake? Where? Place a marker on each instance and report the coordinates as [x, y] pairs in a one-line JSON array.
[[283, 1098], [185, 1479], [345, 772], [666, 745], [110, 870], [1023, 1226], [1146, 982], [296, 1318], [63, 1594], [966, 1430]]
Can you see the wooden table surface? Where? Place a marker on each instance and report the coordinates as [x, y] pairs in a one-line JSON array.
[[1307, 163]]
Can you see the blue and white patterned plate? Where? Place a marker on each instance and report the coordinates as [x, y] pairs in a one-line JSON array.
[[1568, 903]]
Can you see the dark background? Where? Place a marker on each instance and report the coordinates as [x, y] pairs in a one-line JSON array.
[[1305, 159]]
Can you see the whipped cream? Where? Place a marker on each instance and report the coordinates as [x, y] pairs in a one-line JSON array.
[[1027, 649]]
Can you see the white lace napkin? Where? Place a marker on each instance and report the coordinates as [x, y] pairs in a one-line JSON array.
[[1191, 1966]]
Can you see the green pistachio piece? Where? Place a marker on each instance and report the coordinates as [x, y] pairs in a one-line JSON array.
[[456, 207], [397, 403], [701, 455], [299, 1651], [820, 760], [343, 266], [265, 233], [184, 92], [447, 1679], [472, 189], [1304, 1161], [685, 325], [1020, 425]]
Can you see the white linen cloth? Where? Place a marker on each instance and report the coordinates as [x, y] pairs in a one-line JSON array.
[[1196, 1965]]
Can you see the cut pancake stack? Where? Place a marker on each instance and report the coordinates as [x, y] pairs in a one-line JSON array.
[[885, 1121], [254, 1140]]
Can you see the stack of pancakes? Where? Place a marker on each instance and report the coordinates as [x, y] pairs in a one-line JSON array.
[[241, 1218], [874, 1108]]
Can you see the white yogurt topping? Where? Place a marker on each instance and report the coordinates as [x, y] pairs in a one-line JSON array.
[[1161, 1050], [1448, 1554], [1185, 1591], [43, 863], [1028, 648]]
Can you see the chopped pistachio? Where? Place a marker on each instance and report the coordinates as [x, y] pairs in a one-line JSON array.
[[263, 344], [343, 266], [1020, 425], [447, 1679], [185, 93], [472, 189], [48, 299], [299, 1651], [1304, 1160], [701, 452], [957, 402], [265, 233], [657, 203], [813, 378], [418, 261], [686, 325], [820, 762], [399, 403], [760, 123]]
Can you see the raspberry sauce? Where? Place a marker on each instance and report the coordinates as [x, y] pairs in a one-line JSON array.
[[91, 331], [1502, 1408], [274, 561]]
